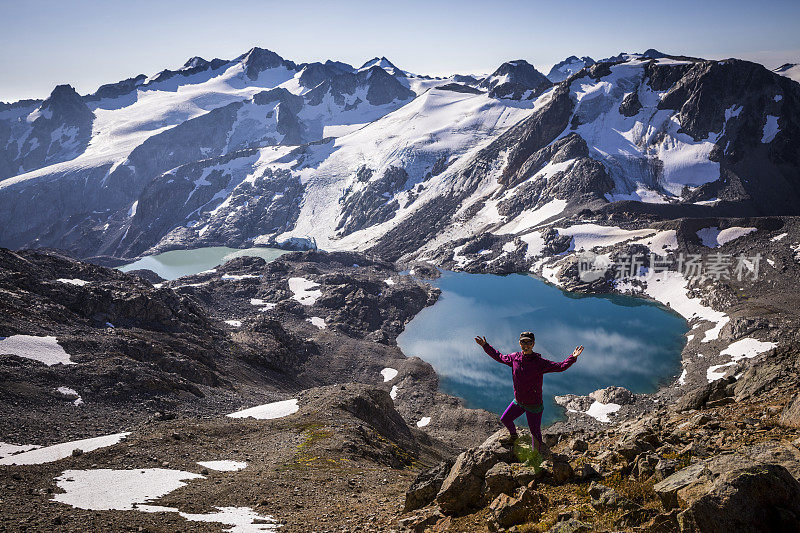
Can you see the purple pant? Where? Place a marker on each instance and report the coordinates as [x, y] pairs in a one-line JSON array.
[[534, 420]]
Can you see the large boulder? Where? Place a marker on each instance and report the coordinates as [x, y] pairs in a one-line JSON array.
[[791, 414], [499, 479], [605, 498], [763, 497], [506, 511], [670, 488], [463, 486], [426, 486], [618, 395]]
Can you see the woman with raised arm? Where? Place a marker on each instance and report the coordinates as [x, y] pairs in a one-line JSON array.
[[527, 370]]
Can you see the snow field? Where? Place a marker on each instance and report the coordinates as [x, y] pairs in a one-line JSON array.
[[55, 452], [714, 237], [269, 411], [43, 349], [304, 290]]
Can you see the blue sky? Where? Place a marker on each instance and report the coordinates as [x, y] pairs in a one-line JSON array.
[[88, 43]]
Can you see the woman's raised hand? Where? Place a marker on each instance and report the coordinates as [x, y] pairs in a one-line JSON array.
[[577, 351], [481, 341]]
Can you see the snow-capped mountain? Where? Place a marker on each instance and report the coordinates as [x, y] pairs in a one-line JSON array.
[[40, 133], [261, 150], [516, 80], [385, 64], [790, 70], [566, 68]]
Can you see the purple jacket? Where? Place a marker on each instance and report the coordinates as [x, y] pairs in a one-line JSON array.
[[527, 371]]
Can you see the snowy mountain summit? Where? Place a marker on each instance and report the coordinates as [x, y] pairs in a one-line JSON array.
[[516, 80], [566, 68]]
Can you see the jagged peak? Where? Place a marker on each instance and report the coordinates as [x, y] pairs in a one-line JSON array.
[[380, 62], [257, 60], [195, 61]]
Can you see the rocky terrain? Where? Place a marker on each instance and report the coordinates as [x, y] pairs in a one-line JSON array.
[[666, 177], [92, 353]]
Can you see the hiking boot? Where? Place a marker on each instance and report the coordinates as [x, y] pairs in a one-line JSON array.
[[511, 438], [544, 451]]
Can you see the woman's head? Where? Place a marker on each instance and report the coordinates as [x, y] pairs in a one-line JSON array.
[[526, 340]]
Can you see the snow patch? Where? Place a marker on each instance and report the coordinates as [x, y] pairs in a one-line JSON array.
[[56, 452], [776, 238], [72, 393], [304, 290], [223, 465], [591, 236], [269, 411], [389, 281], [43, 349], [8, 449], [670, 288], [661, 242], [393, 392], [388, 374], [714, 237], [600, 411], [106, 489], [234, 323], [424, 421], [73, 281], [317, 321], [530, 218], [238, 277], [771, 129], [535, 244], [742, 349]]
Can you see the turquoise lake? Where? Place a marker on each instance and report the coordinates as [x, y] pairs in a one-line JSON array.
[[628, 342], [177, 263]]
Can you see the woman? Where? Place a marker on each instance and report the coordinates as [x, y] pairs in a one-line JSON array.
[[527, 369]]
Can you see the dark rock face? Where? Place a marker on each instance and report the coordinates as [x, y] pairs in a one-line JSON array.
[[374, 203], [466, 80], [459, 88], [57, 130], [791, 414], [757, 498], [130, 341], [630, 105], [463, 486], [516, 80], [426, 486], [258, 60]]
